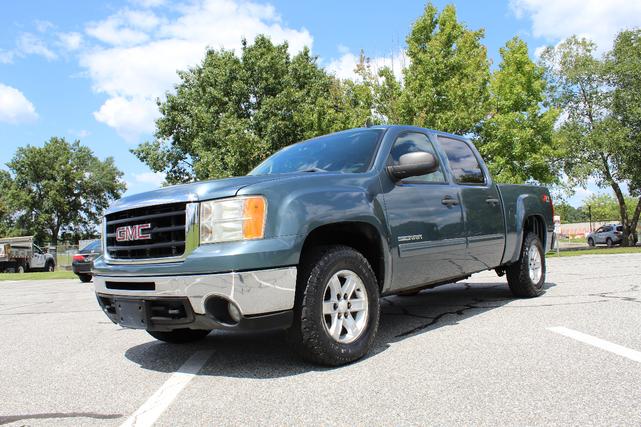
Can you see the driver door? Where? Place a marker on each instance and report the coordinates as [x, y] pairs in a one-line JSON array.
[[425, 219], [37, 258]]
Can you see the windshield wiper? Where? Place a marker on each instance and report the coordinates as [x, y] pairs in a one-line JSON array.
[[312, 170]]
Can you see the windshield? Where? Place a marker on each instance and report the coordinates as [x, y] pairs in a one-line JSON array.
[[92, 247], [346, 152]]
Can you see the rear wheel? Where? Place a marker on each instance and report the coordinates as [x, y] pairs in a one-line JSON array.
[[526, 276], [337, 307], [180, 336], [609, 242], [21, 269], [85, 278], [591, 242]]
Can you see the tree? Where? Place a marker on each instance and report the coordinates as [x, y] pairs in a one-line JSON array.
[[446, 83], [231, 112], [592, 139], [569, 214], [60, 187], [7, 220], [624, 66], [516, 137], [605, 207]]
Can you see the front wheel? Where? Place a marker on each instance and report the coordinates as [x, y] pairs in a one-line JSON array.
[[337, 307], [50, 267], [526, 276], [591, 242], [180, 336]]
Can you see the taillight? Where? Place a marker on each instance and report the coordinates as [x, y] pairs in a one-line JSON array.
[[79, 257]]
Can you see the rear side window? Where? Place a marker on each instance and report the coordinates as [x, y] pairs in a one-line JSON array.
[[465, 166], [411, 143], [619, 228]]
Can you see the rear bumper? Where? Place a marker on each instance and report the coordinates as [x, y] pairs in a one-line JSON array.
[[261, 296], [81, 268]]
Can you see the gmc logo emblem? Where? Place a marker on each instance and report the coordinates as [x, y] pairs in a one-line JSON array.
[[133, 232]]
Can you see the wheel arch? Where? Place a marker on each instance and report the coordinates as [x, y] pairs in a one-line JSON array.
[[362, 236]]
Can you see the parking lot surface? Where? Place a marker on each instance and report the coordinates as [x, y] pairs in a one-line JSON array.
[[466, 353]]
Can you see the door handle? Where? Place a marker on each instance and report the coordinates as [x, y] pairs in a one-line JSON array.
[[492, 202], [449, 201]]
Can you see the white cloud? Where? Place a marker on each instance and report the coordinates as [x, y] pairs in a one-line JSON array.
[[344, 66], [148, 3], [595, 19], [128, 116], [139, 51], [6, 56], [154, 179], [29, 44], [82, 133], [14, 106], [70, 41]]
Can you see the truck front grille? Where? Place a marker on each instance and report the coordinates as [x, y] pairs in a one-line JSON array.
[[147, 232]]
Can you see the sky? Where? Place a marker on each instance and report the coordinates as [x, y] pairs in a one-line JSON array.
[[93, 70]]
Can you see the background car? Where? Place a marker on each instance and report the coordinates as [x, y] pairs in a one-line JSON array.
[[83, 261], [610, 235]]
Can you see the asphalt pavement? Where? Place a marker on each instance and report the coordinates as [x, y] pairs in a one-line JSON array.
[[466, 353]]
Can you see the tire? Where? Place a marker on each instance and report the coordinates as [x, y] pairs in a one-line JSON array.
[[591, 242], [21, 269], [520, 277], [50, 267], [85, 278], [609, 242], [180, 336], [320, 313]]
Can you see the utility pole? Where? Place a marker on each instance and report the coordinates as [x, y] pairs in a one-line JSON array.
[[590, 216]]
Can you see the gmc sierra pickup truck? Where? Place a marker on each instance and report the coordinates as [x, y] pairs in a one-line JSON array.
[[314, 236]]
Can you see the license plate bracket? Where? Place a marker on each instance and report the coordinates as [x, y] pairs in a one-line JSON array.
[[132, 313]]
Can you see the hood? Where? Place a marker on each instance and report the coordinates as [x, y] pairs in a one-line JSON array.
[[193, 192]]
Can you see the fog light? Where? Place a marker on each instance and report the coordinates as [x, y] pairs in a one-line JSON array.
[[234, 313]]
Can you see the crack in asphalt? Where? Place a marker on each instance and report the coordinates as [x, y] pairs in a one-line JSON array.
[[474, 304], [53, 415]]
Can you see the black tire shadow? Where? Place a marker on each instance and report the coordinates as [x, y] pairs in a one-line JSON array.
[[268, 355]]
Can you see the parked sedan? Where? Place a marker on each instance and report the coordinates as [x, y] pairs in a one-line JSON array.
[[83, 261], [608, 234]]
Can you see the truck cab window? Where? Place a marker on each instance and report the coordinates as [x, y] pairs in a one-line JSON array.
[[411, 143], [463, 162]]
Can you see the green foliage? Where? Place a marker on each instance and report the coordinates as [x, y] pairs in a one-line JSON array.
[[605, 207], [516, 138], [596, 98], [569, 214], [446, 84], [60, 187], [229, 113], [624, 65]]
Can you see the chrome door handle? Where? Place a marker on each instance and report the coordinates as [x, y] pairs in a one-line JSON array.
[[492, 202], [449, 201]]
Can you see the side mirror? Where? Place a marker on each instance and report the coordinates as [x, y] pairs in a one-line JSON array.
[[413, 164]]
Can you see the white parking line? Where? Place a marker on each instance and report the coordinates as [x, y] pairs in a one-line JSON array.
[[153, 408], [598, 342]]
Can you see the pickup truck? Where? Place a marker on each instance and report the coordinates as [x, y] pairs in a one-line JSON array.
[[314, 236], [20, 254]]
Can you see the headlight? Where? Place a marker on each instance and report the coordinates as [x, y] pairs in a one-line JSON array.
[[228, 220]]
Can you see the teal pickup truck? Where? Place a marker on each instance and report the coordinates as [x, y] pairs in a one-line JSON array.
[[315, 235]]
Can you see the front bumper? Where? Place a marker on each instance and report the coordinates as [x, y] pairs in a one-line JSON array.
[[254, 293]]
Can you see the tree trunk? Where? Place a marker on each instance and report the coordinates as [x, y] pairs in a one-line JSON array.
[[623, 212], [635, 221]]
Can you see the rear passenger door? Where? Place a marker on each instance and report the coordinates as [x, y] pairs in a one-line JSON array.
[[482, 210]]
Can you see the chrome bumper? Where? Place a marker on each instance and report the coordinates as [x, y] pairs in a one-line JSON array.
[[253, 292]]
